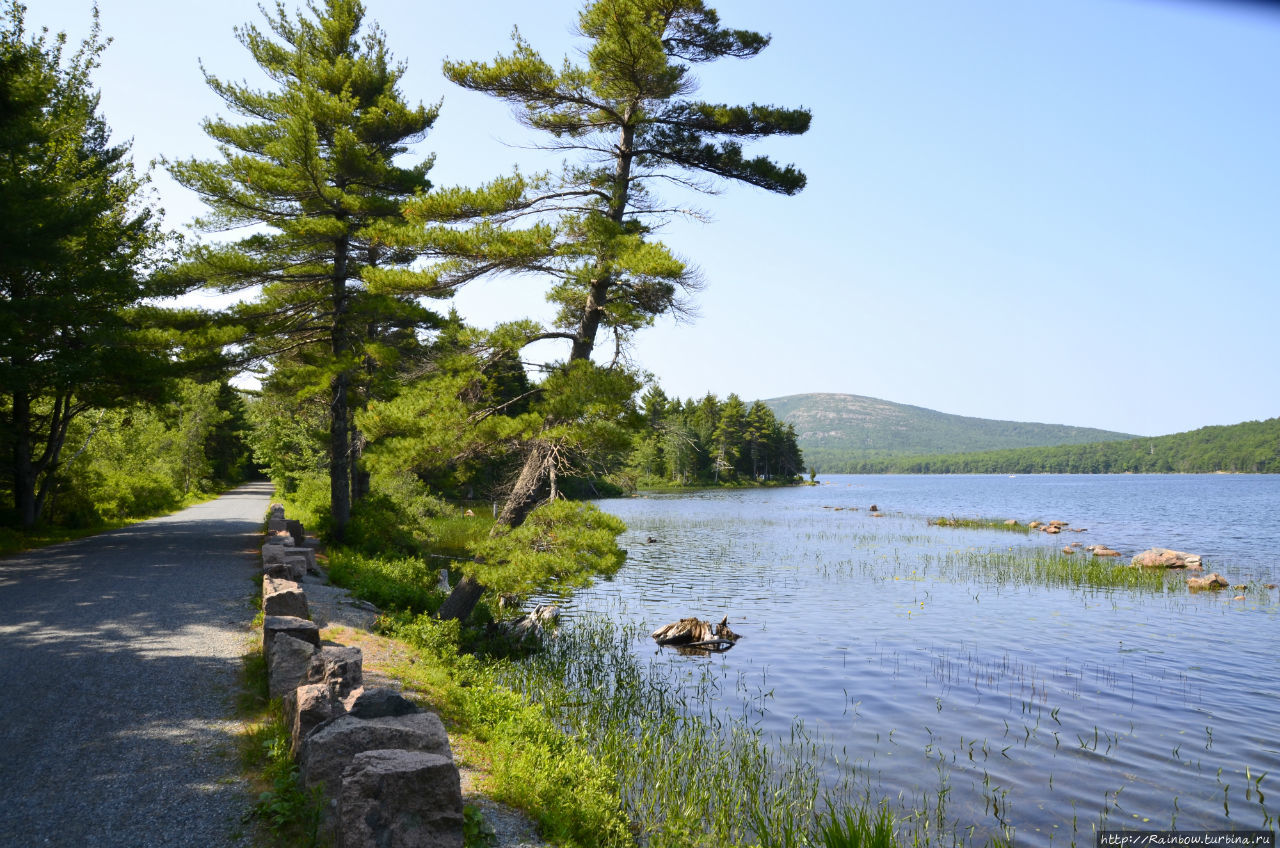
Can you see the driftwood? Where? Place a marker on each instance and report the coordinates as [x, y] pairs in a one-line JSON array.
[[696, 633]]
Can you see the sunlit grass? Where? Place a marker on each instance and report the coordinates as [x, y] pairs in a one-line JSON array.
[[1043, 568], [980, 524]]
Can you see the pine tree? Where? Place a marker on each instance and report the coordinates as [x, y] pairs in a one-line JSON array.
[[628, 116], [313, 169], [76, 244]]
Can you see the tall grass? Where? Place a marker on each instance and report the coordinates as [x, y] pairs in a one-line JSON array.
[[980, 524], [688, 774], [1042, 568]]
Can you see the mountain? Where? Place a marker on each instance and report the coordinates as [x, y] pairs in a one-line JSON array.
[[835, 430]]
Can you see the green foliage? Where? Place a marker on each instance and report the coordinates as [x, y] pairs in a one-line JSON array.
[[559, 547], [441, 639], [457, 425], [713, 442], [288, 438], [1251, 447], [147, 459], [627, 114], [476, 832], [404, 583], [314, 172], [398, 516], [291, 813], [77, 242]]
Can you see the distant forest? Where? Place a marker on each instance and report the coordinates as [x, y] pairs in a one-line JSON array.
[[1251, 447], [712, 442]]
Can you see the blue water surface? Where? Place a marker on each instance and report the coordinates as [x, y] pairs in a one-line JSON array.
[[1012, 709]]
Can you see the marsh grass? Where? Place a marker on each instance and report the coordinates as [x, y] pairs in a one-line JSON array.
[[601, 748], [1042, 568], [980, 524], [689, 775]]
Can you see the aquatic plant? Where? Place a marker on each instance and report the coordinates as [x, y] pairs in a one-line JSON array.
[[1009, 525]]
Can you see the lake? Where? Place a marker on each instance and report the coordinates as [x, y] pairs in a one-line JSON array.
[[981, 697]]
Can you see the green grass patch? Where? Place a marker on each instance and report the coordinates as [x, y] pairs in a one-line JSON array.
[[404, 583], [1041, 568], [980, 524]]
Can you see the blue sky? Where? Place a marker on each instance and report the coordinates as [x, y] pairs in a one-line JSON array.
[[1060, 210]]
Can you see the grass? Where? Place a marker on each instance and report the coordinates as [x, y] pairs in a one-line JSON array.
[[1041, 568], [287, 815], [598, 748], [531, 763], [980, 524]]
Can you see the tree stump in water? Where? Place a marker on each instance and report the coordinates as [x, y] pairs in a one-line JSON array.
[[696, 633]]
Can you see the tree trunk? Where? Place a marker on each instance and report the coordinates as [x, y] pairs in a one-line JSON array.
[[524, 496], [527, 490], [339, 405], [462, 600], [24, 473], [33, 477], [598, 296]]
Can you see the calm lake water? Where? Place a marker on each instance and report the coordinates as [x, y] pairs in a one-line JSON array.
[[988, 703]]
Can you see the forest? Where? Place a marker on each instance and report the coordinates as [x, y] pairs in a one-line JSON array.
[[1252, 447], [710, 442]]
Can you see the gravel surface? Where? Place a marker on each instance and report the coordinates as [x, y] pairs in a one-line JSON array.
[[121, 654]]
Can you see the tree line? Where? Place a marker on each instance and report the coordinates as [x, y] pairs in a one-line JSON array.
[[324, 220], [711, 441], [1252, 447]]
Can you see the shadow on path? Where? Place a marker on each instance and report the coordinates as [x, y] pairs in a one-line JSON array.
[[121, 655]]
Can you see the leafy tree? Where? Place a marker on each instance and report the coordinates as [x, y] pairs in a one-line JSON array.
[[629, 117], [145, 458], [76, 243], [313, 170]]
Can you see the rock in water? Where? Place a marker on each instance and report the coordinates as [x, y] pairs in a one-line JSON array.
[[1165, 558], [1213, 580]]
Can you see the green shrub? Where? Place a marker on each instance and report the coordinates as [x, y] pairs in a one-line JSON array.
[[401, 584]]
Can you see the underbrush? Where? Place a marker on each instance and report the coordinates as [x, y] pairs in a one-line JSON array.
[[88, 523]]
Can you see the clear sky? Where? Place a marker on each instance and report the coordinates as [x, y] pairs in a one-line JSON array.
[[1062, 210]]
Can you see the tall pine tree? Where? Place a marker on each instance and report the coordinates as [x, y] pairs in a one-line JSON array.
[[312, 170], [628, 119]]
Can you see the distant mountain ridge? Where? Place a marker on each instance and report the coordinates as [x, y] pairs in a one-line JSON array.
[[835, 429]]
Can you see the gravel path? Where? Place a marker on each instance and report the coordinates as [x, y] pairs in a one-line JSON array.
[[119, 655]]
